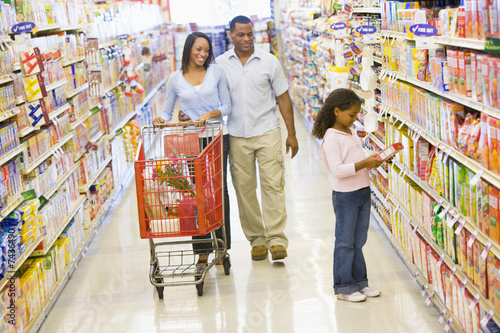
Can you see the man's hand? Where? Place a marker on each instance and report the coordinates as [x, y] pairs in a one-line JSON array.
[[159, 121], [183, 118], [292, 143]]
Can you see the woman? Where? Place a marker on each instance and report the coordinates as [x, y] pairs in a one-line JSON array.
[[201, 88]]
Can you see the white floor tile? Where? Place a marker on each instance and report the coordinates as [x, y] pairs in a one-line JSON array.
[[110, 291]]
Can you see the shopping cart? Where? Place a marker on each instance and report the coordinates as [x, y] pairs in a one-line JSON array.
[[178, 172]]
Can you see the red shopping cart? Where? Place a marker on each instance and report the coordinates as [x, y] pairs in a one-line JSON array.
[[178, 173]]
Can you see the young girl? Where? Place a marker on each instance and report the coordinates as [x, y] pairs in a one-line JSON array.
[[342, 153]]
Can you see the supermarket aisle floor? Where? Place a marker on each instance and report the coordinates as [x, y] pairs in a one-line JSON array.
[[110, 290]]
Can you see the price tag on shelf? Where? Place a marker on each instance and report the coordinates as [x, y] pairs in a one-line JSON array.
[[441, 318], [440, 262], [452, 275], [448, 325], [443, 212], [477, 177], [387, 198], [396, 209], [414, 229], [472, 239], [425, 290], [474, 301], [459, 228], [440, 203], [415, 275], [452, 222], [487, 248], [402, 124], [462, 289], [487, 317], [429, 300]]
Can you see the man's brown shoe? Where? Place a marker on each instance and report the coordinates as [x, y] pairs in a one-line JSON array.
[[278, 252], [259, 252]]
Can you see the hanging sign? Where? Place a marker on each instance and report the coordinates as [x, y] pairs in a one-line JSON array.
[[366, 30], [24, 28]]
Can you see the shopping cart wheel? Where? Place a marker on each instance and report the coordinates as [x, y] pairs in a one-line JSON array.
[[227, 264], [160, 292], [199, 287]]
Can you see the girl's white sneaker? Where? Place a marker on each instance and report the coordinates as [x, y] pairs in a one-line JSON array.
[[354, 297], [370, 292]]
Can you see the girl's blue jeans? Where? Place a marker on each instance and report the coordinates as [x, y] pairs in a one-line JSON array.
[[352, 213]]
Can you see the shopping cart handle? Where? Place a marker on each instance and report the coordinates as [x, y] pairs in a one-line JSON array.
[[183, 124]]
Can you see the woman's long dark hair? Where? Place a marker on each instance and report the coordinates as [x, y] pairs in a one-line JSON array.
[[188, 45], [343, 99]]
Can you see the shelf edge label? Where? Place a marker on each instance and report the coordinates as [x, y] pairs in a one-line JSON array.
[[366, 30], [24, 28], [422, 30], [338, 26], [492, 45]]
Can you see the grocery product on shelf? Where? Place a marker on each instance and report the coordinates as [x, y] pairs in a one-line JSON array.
[[438, 200], [55, 142]]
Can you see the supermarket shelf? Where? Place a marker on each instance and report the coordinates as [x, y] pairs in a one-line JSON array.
[[419, 278], [453, 153], [16, 67], [72, 27], [367, 10], [11, 154], [27, 131], [96, 139], [86, 187], [84, 118], [138, 108], [462, 42], [49, 27], [29, 250], [446, 259], [379, 195], [30, 167], [107, 44], [393, 34], [377, 141], [13, 205], [9, 114], [73, 61], [113, 87], [56, 85], [59, 111], [454, 97], [43, 311], [76, 91], [74, 209], [79, 155], [60, 181], [37, 320], [377, 60], [6, 79]]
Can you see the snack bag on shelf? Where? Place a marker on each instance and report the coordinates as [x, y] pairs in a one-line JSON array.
[[493, 197], [493, 124]]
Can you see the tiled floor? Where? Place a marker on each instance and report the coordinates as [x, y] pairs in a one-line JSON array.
[[110, 291]]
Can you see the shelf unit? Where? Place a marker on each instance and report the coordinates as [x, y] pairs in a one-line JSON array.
[[76, 91], [474, 44], [31, 166], [419, 278], [29, 250], [13, 205], [454, 97], [79, 254], [367, 10], [60, 181], [72, 61], [9, 114], [74, 209], [59, 111], [11, 154], [6, 79], [86, 187], [473, 165]]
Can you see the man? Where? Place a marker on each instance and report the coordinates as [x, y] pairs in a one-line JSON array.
[[256, 80]]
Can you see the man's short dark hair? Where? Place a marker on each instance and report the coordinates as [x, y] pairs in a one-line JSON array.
[[238, 19]]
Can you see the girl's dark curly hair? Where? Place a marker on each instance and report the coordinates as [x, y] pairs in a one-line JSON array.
[[343, 99]]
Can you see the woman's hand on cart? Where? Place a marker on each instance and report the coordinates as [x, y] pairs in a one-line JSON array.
[[159, 121], [183, 118]]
